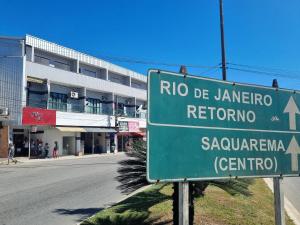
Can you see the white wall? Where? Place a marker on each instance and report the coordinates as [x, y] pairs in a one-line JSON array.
[[84, 120]]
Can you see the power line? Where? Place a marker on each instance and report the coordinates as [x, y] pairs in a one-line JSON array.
[[145, 62], [272, 74], [264, 68]]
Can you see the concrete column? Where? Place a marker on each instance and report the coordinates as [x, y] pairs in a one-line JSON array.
[[77, 143], [116, 142], [32, 54], [83, 98], [48, 90], [113, 104], [93, 144], [135, 107], [106, 74], [77, 66], [107, 142], [130, 81], [4, 136]]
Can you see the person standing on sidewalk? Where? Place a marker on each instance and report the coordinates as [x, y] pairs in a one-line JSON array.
[[55, 150], [11, 153], [46, 149]]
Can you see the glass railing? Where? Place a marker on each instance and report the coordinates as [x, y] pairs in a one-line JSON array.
[[65, 107], [125, 113], [37, 104], [77, 108], [142, 115], [99, 110]]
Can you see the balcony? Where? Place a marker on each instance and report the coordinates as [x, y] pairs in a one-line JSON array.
[[65, 107], [52, 63], [41, 71], [99, 110]]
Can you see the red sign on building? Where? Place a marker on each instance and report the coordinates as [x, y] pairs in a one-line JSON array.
[[37, 116]]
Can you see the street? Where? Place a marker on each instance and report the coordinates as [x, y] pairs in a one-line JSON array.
[[292, 191], [57, 192]]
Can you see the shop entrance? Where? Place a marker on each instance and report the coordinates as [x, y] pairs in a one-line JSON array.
[[68, 146], [94, 142], [123, 142], [18, 140]]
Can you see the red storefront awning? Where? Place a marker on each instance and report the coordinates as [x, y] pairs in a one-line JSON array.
[[133, 134]]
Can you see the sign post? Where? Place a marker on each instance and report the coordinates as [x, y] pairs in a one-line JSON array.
[[183, 203], [277, 185], [278, 201]]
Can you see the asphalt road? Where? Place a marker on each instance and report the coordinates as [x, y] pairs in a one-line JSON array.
[[292, 190], [57, 192]]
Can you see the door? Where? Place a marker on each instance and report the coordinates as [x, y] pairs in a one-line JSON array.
[[18, 140]]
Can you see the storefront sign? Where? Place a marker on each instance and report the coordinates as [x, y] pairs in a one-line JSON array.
[[123, 126], [34, 129], [129, 126], [37, 116], [133, 126]]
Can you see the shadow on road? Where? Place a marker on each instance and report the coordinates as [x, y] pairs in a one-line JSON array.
[[134, 210], [83, 213]]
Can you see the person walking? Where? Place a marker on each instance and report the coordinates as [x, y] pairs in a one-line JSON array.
[[55, 150], [11, 153]]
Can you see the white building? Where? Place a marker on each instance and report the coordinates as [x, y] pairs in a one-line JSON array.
[[54, 93]]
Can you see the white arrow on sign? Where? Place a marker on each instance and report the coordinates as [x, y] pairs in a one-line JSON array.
[[294, 150], [292, 109]]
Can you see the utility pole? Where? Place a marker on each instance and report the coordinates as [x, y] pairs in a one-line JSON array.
[[224, 77]]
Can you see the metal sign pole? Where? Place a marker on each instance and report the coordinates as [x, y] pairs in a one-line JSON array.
[[279, 201], [183, 203], [278, 191]]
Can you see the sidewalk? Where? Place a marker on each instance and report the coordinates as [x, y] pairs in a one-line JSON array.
[[3, 161]]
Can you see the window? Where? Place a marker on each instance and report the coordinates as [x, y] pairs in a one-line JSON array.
[[58, 101], [52, 62], [87, 72], [94, 106]]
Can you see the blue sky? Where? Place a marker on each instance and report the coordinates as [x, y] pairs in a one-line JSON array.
[[264, 33]]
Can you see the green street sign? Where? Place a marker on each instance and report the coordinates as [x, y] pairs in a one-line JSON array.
[[201, 128]]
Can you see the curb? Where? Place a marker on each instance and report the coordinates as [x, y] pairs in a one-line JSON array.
[[26, 160], [123, 199], [289, 208]]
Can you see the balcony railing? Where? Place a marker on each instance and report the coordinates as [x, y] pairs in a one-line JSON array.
[[99, 110], [125, 113], [65, 107], [52, 63], [78, 108], [37, 104]]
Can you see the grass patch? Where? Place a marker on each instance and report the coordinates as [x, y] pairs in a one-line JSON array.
[[154, 206]]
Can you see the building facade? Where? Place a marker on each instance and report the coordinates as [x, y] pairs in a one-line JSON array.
[[50, 93]]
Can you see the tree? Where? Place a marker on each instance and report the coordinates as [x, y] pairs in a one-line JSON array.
[[132, 176]]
